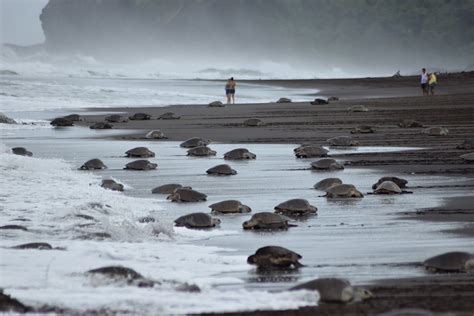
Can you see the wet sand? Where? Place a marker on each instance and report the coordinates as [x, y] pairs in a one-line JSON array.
[[389, 100]]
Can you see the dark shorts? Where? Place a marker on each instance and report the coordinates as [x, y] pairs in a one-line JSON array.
[[229, 91], [432, 86], [423, 86]]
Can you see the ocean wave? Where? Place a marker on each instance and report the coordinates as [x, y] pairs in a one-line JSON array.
[[59, 205]]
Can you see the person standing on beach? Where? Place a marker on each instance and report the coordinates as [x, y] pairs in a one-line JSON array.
[[230, 90], [424, 81], [432, 82]]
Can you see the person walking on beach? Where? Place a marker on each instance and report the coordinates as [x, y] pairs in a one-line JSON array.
[[424, 81], [230, 90], [432, 82]]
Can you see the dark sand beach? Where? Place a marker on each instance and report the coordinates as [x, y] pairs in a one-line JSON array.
[[389, 100]]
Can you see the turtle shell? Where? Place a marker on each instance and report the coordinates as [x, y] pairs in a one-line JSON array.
[[141, 165], [195, 142], [310, 152], [326, 164], [229, 206], [187, 195], [201, 151], [295, 207], [388, 187], [239, 153], [196, 220], [327, 183], [93, 164], [450, 262], [222, 170], [139, 152]]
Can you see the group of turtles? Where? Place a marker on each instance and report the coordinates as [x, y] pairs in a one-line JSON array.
[[275, 257]]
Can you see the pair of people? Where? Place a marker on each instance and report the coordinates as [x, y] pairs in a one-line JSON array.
[[428, 82], [230, 90]]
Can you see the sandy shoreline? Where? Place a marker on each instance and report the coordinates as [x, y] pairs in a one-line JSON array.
[[389, 100]]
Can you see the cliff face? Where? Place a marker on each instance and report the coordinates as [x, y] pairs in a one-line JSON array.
[[365, 31]]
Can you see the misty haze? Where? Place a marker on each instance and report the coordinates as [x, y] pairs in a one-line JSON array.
[[237, 157]]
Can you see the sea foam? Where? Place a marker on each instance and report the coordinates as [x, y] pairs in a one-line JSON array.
[[47, 195]]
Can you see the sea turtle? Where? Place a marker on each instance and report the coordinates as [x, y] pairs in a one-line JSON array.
[[327, 183], [343, 191], [310, 151], [254, 122], [169, 116], [468, 157], [61, 121], [34, 245], [139, 152], [334, 290], [239, 153], [11, 305], [284, 100], [6, 120], [101, 125], [398, 181], [456, 261], [141, 165], [73, 117], [358, 108], [295, 207], [110, 184], [156, 134], [197, 220], [466, 144], [168, 188], [319, 101], [275, 257], [330, 99], [342, 141], [186, 195], [229, 206], [116, 118], [221, 170], [216, 104], [363, 129], [326, 164], [93, 164], [409, 123], [436, 131], [266, 220], [13, 227], [388, 187], [122, 274], [140, 117], [195, 142], [201, 151], [21, 151]]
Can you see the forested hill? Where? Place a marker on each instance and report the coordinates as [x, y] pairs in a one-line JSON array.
[[367, 31]]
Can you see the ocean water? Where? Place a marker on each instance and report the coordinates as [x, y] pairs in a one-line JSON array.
[[361, 239], [42, 82]]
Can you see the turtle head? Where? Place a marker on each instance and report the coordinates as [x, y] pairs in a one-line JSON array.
[[357, 194], [249, 224], [216, 221], [251, 259], [361, 294], [469, 264], [244, 209]]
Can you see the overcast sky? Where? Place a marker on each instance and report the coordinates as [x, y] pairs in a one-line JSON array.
[[20, 22]]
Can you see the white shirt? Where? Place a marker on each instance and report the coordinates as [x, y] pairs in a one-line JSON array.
[[424, 78]]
